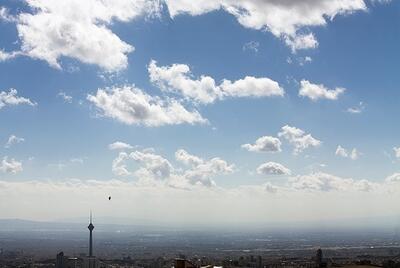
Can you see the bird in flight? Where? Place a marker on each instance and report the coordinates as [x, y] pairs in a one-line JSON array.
[[109, 198]]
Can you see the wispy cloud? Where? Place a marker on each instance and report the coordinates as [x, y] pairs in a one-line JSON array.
[[13, 140], [356, 109]]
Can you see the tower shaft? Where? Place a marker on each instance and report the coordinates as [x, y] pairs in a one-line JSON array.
[[91, 227]]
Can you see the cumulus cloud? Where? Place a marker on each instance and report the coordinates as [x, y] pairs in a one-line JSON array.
[[155, 169], [327, 183], [394, 178], [298, 138], [10, 165], [80, 30], [132, 106], [284, 19], [119, 166], [340, 151], [251, 87], [202, 171], [11, 98], [178, 78], [13, 140], [188, 159], [264, 144], [302, 41], [273, 168], [396, 151], [354, 154], [119, 145], [318, 91]]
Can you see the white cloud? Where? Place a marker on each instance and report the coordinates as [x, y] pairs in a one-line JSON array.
[[252, 87], [354, 154], [326, 182], [132, 106], [298, 42], [13, 140], [4, 56], [394, 178], [202, 171], [8, 55], [316, 92], [155, 169], [284, 19], [354, 110], [273, 168], [252, 46], [298, 138], [396, 151], [11, 98], [119, 167], [357, 109], [5, 15], [177, 78], [264, 144], [188, 159], [119, 145], [80, 30], [10, 166], [65, 97], [340, 151]]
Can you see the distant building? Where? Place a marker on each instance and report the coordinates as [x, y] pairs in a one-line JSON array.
[[63, 261], [319, 259], [183, 263], [60, 260]]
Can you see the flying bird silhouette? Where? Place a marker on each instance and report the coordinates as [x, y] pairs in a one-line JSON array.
[[109, 198]]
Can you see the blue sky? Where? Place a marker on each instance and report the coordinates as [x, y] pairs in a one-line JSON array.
[[68, 140]]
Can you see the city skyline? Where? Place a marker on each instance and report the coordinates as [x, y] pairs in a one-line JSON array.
[[244, 111]]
